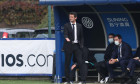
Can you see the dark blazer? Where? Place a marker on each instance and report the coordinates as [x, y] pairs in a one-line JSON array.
[[109, 50], [68, 33], [137, 52], [126, 52]]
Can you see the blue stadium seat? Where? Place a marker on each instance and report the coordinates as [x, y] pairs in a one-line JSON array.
[[99, 57]]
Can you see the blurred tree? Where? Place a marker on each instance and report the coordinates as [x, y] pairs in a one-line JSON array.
[[20, 12], [44, 22]]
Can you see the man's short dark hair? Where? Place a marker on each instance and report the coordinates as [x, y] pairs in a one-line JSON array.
[[111, 34], [119, 36], [73, 13]]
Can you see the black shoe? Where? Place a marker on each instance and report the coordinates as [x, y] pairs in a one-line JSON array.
[[110, 80], [82, 82], [123, 74], [66, 82], [123, 81], [129, 81]]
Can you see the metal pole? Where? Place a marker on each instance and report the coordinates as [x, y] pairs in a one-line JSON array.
[[58, 38], [49, 21]]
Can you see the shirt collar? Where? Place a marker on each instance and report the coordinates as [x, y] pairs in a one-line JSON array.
[[72, 23], [120, 44]]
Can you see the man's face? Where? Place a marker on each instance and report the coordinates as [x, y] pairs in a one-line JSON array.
[[110, 37], [117, 39], [72, 18]]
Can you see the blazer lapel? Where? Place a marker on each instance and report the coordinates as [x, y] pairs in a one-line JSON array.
[[70, 27], [122, 49], [78, 29]]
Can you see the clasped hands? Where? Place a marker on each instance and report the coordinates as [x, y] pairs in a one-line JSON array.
[[112, 61]]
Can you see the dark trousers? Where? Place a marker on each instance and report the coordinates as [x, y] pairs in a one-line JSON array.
[[122, 64], [83, 73], [75, 49], [132, 65], [101, 67]]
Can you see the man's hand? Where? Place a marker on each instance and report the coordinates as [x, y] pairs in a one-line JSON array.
[[67, 39], [73, 66], [112, 61], [136, 58]]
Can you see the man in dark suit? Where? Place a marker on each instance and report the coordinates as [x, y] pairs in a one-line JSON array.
[[74, 41], [101, 67], [120, 57], [133, 63]]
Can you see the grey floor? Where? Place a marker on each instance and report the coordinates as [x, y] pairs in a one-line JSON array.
[[96, 83]]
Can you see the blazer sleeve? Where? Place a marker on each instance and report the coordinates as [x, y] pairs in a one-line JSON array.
[[127, 53], [65, 31], [108, 52], [82, 37], [137, 52], [114, 53]]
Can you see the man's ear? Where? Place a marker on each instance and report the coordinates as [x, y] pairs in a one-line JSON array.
[[120, 40]]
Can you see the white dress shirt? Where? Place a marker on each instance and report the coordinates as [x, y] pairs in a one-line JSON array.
[[120, 50], [75, 32]]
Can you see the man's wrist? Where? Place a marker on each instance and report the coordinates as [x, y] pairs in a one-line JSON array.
[[75, 63], [116, 60], [67, 39]]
